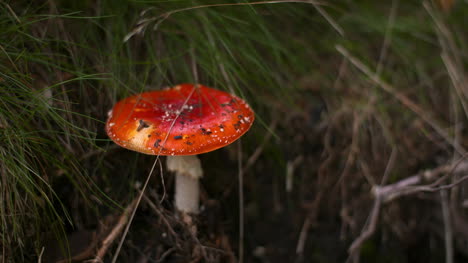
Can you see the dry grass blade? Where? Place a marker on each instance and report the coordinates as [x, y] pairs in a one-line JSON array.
[[407, 102], [450, 56], [144, 23]]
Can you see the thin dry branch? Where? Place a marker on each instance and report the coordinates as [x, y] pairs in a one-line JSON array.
[[368, 231], [384, 194], [448, 233], [303, 237], [259, 150], [410, 185], [290, 171]]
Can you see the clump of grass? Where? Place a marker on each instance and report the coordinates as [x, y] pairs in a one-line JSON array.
[[42, 139]]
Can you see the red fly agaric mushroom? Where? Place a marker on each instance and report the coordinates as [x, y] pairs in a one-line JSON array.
[[180, 122]]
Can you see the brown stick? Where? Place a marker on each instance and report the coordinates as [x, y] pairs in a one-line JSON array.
[[107, 242], [407, 186], [412, 185]]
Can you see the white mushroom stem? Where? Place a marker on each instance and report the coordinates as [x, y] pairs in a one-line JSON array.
[[188, 171]]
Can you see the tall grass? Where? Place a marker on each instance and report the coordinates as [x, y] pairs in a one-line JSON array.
[[42, 132]]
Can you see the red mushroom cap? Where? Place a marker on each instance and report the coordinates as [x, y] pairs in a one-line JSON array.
[[205, 119]]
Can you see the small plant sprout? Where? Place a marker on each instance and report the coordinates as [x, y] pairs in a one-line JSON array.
[[180, 122]]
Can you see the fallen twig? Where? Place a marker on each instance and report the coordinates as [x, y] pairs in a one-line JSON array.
[[411, 185], [384, 194], [116, 231], [153, 206]]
